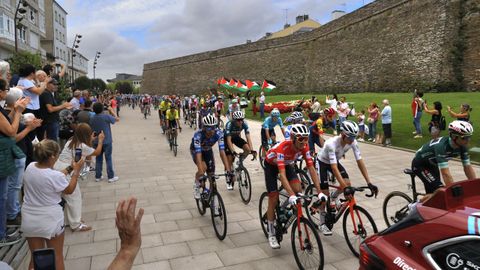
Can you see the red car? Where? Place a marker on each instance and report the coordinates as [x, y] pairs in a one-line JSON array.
[[442, 233]]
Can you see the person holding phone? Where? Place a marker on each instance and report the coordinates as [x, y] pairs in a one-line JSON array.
[[42, 211], [81, 142]]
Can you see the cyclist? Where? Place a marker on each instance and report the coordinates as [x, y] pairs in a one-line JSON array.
[[294, 118], [316, 129], [268, 128], [164, 105], [328, 161], [218, 107], [431, 160], [233, 130], [172, 120], [279, 161], [202, 153], [233, 107]]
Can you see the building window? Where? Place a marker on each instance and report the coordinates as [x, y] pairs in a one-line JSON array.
[[32, 16], [56, 16], [22, 34]]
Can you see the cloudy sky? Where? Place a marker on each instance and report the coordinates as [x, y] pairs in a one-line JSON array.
[[130, 33]]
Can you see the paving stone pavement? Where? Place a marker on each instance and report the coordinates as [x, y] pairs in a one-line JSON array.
[[174, 235]]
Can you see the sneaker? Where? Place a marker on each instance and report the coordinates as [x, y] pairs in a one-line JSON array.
[[10, 240], [114, 179], [417, 136], [12, 231], [99, 179], [196, 192], [272, 240], [414, 132], [229, 186], [325, 230], [17, 221]]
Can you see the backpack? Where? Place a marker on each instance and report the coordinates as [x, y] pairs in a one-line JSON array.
[[442, 124]]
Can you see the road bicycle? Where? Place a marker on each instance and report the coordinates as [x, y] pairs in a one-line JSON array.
[[357, 223], [193, 119], [210, 197], [395, 206], [243, 177], [262, 152], [172, 140], [306, 244]]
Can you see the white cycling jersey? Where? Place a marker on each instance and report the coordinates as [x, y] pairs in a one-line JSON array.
[[333, 150]]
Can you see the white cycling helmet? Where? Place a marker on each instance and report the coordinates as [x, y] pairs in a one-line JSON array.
[[462, 128], [275, 112], [349, 128], [299, 130], [210, 121], [296, 116], [238, 115]]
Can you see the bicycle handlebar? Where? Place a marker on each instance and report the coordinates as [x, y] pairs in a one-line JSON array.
[[253, 153]]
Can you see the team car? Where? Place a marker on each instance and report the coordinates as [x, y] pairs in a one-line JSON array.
[[441, 233]]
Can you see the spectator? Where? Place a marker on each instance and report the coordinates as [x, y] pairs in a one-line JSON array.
[[82, 139], [434, 124], [83, 98], [343, 110], [84, 115], [387, 122], [49, 112], [417, 108], [261, 100], [49, 69], [76, 100], [9, 152], [361, 125], [42, 212], [113, 103], [128, 226], [5, 75], [316, 109], [101, 122], [15, 180], [67, 126], [333, 104], [463, 115], [118, 99], [373, 114], [26, 83]]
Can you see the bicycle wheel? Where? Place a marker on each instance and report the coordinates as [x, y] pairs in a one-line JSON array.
[[201, 206], [313, 218], [219, 215], [395, 207], [175, 146], [170, 140], [306, 245], [262, 153], [244, 185], [262, 211], [363, 222]]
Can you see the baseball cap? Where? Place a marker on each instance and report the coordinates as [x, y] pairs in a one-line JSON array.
[[53, 81]]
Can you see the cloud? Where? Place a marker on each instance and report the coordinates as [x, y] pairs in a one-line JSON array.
[[130, 33]]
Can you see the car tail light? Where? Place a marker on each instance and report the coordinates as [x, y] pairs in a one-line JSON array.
[[369, 260]]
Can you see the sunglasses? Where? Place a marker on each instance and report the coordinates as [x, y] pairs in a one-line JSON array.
[[302, 139], [210, 128], [465, 138], [350, 139], [240, 120]]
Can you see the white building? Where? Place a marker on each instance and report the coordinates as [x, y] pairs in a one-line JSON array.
[[55, 41], [30, 31]]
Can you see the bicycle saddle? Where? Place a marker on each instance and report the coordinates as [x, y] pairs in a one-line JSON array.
[[408, 171]]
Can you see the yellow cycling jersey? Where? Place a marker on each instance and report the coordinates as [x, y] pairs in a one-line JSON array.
[[172, 115], [164, 105], [318, 126]]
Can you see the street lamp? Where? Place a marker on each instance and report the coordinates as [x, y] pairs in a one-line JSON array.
[[18, 18], [74, 47], [95, 63]]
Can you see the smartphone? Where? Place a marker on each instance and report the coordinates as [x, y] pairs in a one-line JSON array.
[[95, 134], [78, 154], [44, 259]]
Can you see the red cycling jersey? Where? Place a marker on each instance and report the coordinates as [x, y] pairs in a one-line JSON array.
[[284, 154]]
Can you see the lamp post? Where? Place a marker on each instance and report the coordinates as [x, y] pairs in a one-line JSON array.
[[95, 63], [74, 47], [19, 11]]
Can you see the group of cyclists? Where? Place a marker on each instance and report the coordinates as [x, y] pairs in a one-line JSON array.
[[303, 139]]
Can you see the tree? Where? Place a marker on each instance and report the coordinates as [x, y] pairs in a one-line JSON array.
[[111, 86], [22, 58], [83, 83], [98, 85], [124, 87]]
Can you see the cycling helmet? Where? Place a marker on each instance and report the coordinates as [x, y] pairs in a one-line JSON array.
[[296, 116], [275, 112], [210, 121], [462, 128], [234, 101], [349, 128], [238, 115], [329, 112], [299, 130]]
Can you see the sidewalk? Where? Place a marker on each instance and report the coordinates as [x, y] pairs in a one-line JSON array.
[[174, 235]]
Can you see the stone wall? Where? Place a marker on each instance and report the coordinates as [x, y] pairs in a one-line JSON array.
[[388, 45]]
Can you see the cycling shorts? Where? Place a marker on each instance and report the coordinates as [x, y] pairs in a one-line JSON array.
[[271, 174], [264, 135], [324, 168], [208, 158], [237, 141], [428, 173], [172, 123]]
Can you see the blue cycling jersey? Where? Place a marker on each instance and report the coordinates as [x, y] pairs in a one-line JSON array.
[[270, 124], [200, 142], [288, 130], [233, 130]]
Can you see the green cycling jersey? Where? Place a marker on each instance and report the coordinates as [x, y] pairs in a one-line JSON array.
[[439, 151]]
